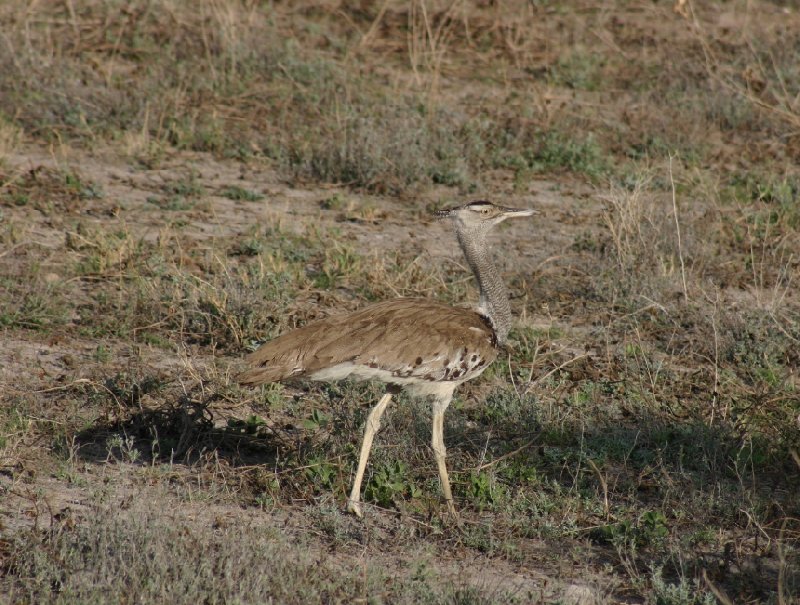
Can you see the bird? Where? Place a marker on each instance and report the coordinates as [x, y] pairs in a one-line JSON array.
[[422, 346]]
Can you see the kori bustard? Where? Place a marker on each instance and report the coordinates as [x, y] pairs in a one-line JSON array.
[[426, 347]]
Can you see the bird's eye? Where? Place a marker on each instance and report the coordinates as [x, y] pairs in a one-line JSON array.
[[485, 211]]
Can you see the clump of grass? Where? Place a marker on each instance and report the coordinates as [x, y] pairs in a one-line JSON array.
[[51, 191], [15, 426], [389, 482], [417, 148], [684, 592], [10, 138], [37, 307], [167, 292], [579, 69], [635, 223], [236, 193], [181, 194], [99, 251], [774, 195], [558, 151]]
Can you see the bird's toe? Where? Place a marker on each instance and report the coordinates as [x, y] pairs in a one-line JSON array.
[[355, 508]]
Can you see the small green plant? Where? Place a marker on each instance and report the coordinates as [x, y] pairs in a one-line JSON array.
[[337, 201], [123, 448], [321, 473], [504, 407], [252, 425], [82, 189], [519, 472], [580, 70], [316, 421], [389, 483], [101, 354], [240, 194], [19, 199], [180, 194], [41, 309], [650, 529], [483, 491], [272, 394], [561, 151], [480, 537], [252, 246], [127, 390], [340, 261], [653, 527], [14, 423], [175, 203], [329, 520], [270, 497], [189, 186], [685, 592], [154, 339]]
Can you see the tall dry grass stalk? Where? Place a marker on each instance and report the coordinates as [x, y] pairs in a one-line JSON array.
[[678, 230], [628, 216], [428, 39], [11, 137]]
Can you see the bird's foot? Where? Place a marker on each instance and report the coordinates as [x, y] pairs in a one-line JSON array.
[[354, 506]]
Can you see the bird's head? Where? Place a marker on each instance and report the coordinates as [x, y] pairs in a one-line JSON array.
[[481, 215]]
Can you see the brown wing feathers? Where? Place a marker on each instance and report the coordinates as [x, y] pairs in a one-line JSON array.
[[408, 337]]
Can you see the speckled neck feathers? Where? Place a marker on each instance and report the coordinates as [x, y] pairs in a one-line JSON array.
[[494, 297]]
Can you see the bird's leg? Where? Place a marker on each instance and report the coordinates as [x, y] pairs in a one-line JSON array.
[[372, 426], [439, 451]]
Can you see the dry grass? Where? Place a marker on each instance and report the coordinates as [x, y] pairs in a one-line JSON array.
[[176, 558], [326, 114], [195, 179], [10, 139]]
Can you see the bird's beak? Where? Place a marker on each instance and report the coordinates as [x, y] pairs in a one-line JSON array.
[[515, 212], [443, 213]]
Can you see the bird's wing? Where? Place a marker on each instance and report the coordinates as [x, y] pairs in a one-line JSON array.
[[407, 337]]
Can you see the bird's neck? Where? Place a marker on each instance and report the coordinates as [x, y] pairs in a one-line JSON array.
[[494, 298]]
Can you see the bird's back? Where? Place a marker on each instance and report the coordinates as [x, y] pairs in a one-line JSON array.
[[402, 341]]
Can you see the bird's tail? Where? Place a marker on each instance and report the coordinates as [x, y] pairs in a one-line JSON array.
[[261, 375]]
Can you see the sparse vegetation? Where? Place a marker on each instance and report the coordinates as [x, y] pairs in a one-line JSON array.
[[159, 558], [181, 181]]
